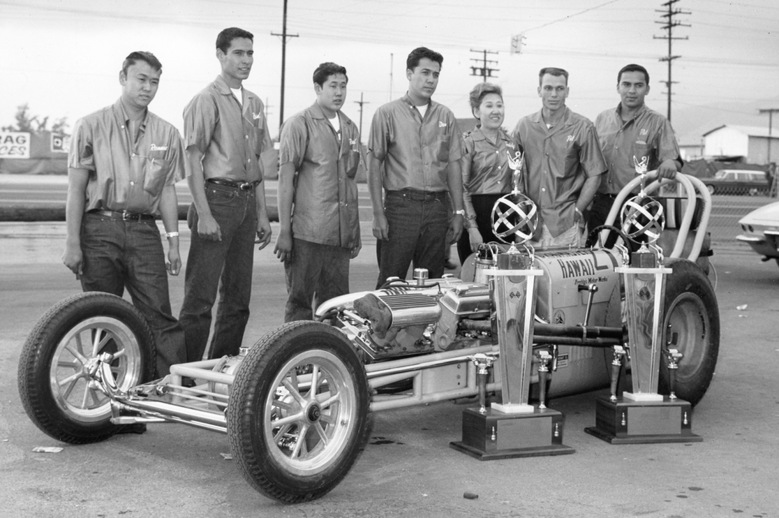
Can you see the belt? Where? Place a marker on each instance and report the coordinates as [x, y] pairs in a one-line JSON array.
[[123, 215], [606, 195], [415, 195], [235, 184]]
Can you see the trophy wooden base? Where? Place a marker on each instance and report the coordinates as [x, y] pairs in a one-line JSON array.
[[495, 435], [640, 422]]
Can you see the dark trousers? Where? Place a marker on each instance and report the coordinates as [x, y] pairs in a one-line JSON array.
[[418, 225], [316, 271], [599, 211], [128, 254], [225, 265], [482, 205]]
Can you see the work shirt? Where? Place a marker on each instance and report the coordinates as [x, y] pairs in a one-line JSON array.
[[647, 134], [557, 160], [126, 172], [231, 135], [325, 204], [415, 151], [485, 164]]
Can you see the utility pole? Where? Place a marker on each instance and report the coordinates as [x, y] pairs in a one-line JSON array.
[[668, 24], [361, 102], [485, 70], [284, 37], [770, 112]]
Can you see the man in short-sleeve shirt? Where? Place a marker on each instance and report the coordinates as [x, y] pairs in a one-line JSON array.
[[563, 163], [225, 133], [415, 149], [123, 164], [631, 130], [319, 153]]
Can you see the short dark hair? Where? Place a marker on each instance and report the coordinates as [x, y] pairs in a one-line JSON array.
[[226, 37], [325, 70], [552, 71], [418, 53], [633, 68], [141, 55], [480, 91]]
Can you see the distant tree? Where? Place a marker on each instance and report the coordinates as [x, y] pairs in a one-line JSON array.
[[29, 123]]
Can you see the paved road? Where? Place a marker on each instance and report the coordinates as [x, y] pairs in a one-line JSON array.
[[408, 469], [46, 196]]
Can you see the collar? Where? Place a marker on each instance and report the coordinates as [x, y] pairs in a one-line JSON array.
[[317, 112], [478, 134], [406, 99], [618, 112], [539, 118], [121, 114], [222, 87]]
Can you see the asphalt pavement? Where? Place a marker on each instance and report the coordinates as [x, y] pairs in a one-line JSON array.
[[408, 468]]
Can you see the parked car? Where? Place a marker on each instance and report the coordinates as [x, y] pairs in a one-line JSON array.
[[761, 227], [737, 181]]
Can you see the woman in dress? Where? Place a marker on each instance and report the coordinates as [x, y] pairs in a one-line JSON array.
[[485, 169]]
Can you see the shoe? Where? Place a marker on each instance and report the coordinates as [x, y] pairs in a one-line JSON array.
[[138, 428]]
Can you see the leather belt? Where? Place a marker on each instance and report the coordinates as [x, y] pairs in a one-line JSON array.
[[235, 184], [415, 195], [123, 215]]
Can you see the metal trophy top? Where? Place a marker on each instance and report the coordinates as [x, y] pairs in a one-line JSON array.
[[642, 215], [514, 216]]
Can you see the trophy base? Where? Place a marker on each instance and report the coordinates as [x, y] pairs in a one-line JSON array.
[[496, 435], [641, 422]]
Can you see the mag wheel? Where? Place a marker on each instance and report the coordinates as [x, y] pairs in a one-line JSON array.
[[692, 326], [298, 416], [54, 381]]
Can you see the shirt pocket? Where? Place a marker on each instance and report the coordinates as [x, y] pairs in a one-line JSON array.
[[442, 147], [352, 163], [155, 174]]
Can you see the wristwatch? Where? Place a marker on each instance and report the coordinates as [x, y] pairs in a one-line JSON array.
[[461, 212]]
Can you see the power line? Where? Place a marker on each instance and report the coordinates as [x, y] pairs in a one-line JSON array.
[[668, 25], [485, 70], [284, 37]]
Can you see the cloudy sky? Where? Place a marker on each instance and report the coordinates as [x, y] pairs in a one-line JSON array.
[[63, 56]]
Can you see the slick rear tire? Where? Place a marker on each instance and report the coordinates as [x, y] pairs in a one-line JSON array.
[[53, 376], [299, 412], [691, 325]]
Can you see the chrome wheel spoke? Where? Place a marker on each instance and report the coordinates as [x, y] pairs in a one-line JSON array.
[[321, 432], [288, 420], [293, 391], [299, 444]]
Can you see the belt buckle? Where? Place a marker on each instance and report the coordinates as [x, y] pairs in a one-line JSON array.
[[247, 186], [126, 216]]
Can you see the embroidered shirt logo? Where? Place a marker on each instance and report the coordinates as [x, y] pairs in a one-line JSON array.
[[441, 124], [643, 131], [570, 138], [257, 115], [510, 144], [155, 147]]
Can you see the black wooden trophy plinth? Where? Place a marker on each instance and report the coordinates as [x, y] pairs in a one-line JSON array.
[[639, 422], [495, 435]]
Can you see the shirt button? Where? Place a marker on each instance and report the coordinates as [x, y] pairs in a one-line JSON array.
[[132, 183]]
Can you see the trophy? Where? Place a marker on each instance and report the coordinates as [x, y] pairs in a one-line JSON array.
[[512, 427], [643, 415]]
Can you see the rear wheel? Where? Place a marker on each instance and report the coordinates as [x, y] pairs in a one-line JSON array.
[[691, 325], [298, 416], [54, 368]]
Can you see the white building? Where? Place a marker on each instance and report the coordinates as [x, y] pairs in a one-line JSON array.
[[749, 142]]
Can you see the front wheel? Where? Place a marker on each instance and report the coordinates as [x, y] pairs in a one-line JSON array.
[[54, 379], [299, 413], [691, 325]]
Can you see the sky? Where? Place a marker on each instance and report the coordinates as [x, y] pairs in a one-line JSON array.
[[63, 57]]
